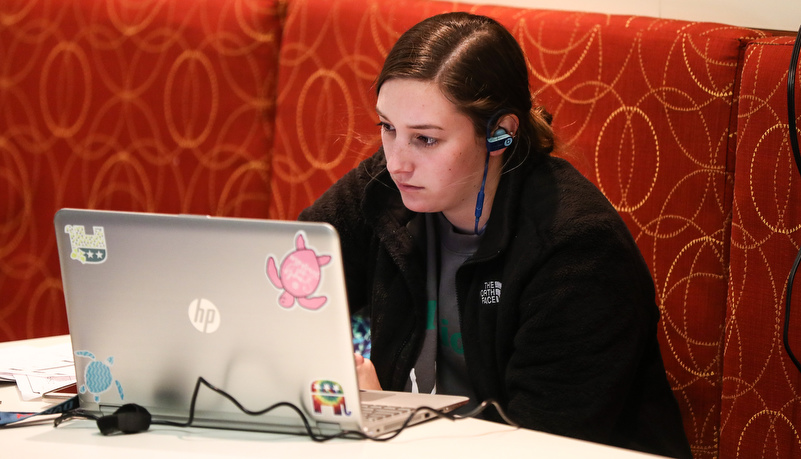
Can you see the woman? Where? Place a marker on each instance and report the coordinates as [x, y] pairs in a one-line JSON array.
[[488, 267]]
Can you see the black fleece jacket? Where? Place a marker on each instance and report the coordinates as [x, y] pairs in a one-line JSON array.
[[569, 346]]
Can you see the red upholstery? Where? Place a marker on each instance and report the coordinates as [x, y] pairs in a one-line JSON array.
[[254, 107], [148, 106], [761, 387], [643, 106], [331, 52]]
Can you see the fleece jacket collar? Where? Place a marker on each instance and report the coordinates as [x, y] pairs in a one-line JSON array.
[[403, 231]]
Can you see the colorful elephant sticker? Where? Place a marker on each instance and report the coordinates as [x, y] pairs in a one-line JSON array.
[[330, 394]]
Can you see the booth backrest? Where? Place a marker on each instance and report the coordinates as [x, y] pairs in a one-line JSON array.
[[645, 109], [253, 108], [158, 106], [761, 399]]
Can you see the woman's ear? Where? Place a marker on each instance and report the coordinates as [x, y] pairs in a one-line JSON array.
[[510, 123]]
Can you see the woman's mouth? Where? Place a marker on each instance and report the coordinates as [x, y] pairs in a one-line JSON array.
[[405, 187]]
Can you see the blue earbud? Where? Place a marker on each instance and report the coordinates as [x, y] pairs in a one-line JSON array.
[[495, 141], [499, 139]]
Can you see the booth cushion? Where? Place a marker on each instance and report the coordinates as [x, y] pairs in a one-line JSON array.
[[643, 107], [761, 398], [145, 106]]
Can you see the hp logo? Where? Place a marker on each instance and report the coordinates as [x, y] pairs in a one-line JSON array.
[[204, 316]]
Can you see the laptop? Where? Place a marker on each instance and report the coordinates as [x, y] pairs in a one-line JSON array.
[[258, 308]]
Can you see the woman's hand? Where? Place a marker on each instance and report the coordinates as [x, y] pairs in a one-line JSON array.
[[365, 371]]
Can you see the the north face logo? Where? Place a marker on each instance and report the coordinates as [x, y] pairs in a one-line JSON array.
[[491, 293]]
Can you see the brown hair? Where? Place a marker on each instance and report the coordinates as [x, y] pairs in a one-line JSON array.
[[480, 68]]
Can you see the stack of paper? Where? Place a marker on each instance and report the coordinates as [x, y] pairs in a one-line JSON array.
[[37, 370]]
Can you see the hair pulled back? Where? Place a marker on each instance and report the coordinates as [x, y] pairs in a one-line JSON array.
[[479, 66]]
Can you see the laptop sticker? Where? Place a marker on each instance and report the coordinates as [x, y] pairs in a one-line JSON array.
[[97, 376], [87, 248], [325, 393], [299, 276]]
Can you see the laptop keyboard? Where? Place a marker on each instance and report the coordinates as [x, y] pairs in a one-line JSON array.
[[374, 412]]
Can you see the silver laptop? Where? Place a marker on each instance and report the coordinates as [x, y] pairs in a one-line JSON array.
[[257, 308]]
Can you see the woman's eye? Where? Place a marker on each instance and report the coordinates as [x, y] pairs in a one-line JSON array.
[[385, 126], [423, 140], [427, 141]]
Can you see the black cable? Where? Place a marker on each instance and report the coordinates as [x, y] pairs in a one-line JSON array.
[[791, 77], [791, 101], [79, 413], [479, 409], [787, 312], [301, 415], [75, 414]]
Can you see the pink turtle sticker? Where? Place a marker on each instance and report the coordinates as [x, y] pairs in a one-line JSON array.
[[299, 276]]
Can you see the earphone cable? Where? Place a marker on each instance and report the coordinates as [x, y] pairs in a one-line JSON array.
[[79, 413], [791, 77]]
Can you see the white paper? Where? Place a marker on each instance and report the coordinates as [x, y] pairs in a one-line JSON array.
[[37, 370]]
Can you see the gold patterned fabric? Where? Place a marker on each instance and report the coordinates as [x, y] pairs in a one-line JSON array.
[[144, 105], [254, 107], [761, 404], [645, 108], [325, 118]]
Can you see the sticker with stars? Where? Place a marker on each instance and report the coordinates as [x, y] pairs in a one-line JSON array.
[[87, 248]]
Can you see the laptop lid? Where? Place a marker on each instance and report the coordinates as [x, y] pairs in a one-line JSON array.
[[257, 308]]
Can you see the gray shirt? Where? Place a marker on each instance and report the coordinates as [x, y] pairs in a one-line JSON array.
[[455, 249]]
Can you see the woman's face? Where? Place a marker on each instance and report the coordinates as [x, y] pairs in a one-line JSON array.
[[432, 150]]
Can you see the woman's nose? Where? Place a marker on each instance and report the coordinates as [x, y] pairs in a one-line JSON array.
[[397, 158]]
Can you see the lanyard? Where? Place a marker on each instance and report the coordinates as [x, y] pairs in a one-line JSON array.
[[8, 417]]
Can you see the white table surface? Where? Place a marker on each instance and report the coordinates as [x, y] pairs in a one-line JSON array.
[[436, 439]]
